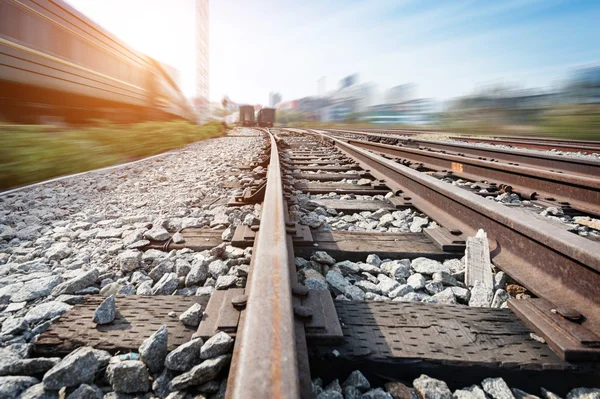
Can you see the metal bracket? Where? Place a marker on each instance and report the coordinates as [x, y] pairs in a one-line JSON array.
[[254, 197], [244, 236], [447, 240], [223, 314], [563, 333]]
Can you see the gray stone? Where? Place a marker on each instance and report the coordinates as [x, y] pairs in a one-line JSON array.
[[225, 282], [85, 391], [374, 260], [445, 278], [462, 294], [163, 267], [418, 223], [336, 282], [8, 291], [218, 268], [433, 287], [78, 367], [13, 386], [497, 388], [368, 286], [401, 290], [128, 376], [334, 386], [35, 289], [58, 251], [519, 394], [323, 257], [346, 267], [500, 279], [185, 356], [386, 284], [546, 394], [106, 312], [400, 391], [398, 269], [145, 288], [430, 388], [330, 395], [15, 366], [14, 325], [157, 233], [198, 273], [129, 260], [134, 236], [166, 285], [217, 345], [178, 238], [445, 297], [357, 380], [192, 316], [77, 283], [160, 386], [38, 392], [354, 293], [46, 311], [500, 298], [153, 350], [481, 296], [204, 292], [472, 392], [204, 372], [376, 393], [584, 393], [182, 267], [428, 266], [15, 307]]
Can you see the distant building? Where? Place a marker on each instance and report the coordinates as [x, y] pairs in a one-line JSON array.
[[584, 85], [287, 106], [348, 81], [202, 77], [274, 99], [413, 112], [400, 94]]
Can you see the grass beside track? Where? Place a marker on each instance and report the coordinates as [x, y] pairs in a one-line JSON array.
[[29, 154]]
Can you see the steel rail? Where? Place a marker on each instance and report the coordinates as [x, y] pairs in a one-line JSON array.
[[582, 193], [554, 264], [542, 143], [265, 361], [584, 167]]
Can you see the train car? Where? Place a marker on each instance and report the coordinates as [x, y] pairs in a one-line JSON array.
[[54, 61], [247, 115], [266, 117]]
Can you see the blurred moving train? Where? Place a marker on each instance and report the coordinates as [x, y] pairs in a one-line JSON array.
[[56, 62], [265, 116]]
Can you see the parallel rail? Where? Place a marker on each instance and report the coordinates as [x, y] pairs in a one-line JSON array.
[[584, 167], [582, 193], [540, 143], [552, 263], [270, 354]]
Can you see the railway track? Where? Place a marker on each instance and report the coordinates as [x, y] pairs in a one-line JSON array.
[[538, 143], [368, 275]]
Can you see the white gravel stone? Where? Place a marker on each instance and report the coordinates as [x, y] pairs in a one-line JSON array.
[[497, 388]]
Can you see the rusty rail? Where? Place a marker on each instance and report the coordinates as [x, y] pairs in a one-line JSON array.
[[552, 263], [584, 167], [582, 193], [268, 356], [540, 143]]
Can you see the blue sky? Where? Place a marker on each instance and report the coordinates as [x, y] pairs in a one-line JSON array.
[[447, 48]]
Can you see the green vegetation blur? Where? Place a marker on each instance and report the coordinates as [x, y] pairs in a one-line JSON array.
[[33, 153]]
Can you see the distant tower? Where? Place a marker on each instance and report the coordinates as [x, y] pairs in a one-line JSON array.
[[202, 98], [321, 86]]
